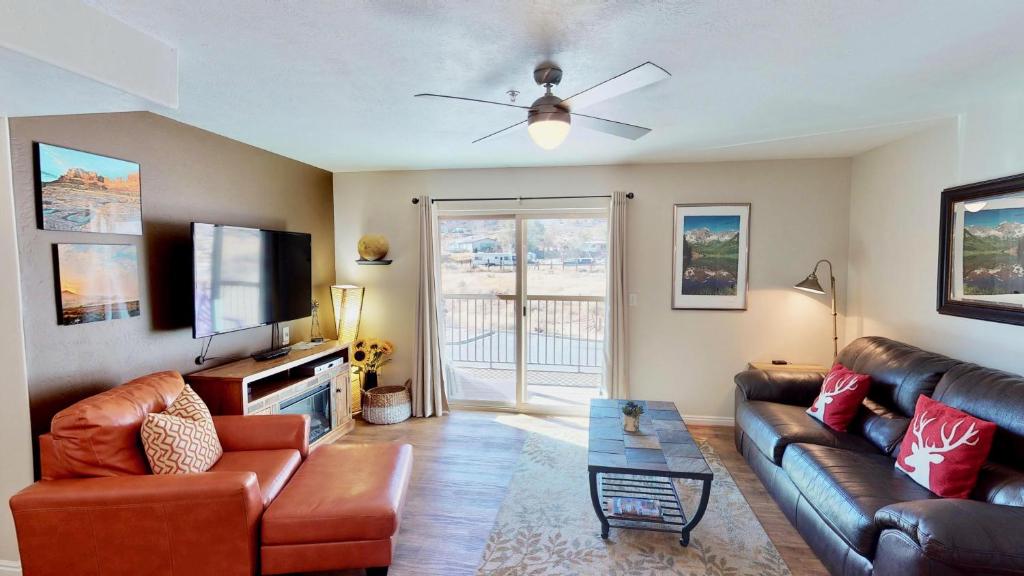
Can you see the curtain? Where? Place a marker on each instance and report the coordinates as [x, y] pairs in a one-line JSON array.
[[428, 390], [616, 332]]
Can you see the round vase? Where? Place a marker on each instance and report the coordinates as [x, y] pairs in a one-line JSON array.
[[630, 423], [373, 247]]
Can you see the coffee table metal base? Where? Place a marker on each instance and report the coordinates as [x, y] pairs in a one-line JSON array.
[[604, 486]]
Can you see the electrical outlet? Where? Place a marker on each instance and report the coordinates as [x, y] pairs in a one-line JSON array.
[[632, 299], [285, 335]]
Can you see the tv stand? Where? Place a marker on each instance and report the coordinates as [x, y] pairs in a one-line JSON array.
[[277, 386], [272, 353]]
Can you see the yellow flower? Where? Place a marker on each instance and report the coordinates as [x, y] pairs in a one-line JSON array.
[[371, 353], [358, 357]]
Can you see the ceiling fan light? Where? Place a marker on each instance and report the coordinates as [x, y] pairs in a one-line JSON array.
[[549, 130]]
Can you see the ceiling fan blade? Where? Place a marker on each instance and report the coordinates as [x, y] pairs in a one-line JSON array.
[[471, 100], [503, 131], [612, 127], [643, 75]]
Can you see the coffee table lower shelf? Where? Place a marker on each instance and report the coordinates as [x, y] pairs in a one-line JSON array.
[[604, 486]]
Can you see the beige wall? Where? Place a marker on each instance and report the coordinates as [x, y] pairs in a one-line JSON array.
[[799, 215], [894, 232], [16, 471], [187, 175]]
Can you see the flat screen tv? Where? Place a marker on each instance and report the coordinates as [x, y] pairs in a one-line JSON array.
[[246, 277]]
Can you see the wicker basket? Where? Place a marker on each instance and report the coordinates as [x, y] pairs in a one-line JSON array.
[[387, 404]]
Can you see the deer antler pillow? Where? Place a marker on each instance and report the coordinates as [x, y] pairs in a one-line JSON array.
[[841, 395], [944, 448]]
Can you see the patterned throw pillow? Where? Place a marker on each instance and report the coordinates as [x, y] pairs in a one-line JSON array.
[[182, 439], [944, 448], [841, 395]]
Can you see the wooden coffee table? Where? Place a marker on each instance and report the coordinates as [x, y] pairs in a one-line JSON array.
[[643, 465]]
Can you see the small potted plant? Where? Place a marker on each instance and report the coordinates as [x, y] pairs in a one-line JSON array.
[[631, 412], [369, 355]]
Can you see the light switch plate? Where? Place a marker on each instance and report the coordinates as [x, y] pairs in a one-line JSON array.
[[285, 335], [633, 298]]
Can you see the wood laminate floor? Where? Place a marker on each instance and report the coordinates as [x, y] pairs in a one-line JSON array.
[[463, 466]]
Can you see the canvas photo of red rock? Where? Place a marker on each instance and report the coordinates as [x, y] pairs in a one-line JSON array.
[[85, 192]]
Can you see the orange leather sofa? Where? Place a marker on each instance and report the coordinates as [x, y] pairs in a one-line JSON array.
[[267, 506]]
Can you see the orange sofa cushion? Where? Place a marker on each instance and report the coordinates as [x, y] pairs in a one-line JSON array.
[[273, 468], [342, 493], [99, 436]]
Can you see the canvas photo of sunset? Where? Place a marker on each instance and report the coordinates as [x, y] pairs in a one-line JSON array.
[[97, 282], [84, 192]]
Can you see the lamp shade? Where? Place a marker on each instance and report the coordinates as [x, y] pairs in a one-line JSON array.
[[348, 307], [548, 134], [548, 122], [810, 284]]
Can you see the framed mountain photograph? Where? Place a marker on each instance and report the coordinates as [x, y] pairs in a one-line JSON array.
[[981, 251], [96, 282], [84, 192], [710, 243]]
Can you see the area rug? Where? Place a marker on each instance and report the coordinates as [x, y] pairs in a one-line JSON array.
[[546, 526]]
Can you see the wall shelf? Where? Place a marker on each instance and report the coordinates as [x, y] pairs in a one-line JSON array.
[[362, 262]]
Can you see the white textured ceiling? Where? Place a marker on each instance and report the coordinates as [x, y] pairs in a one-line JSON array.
[[331, 82]]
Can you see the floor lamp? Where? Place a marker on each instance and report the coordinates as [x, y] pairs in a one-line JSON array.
[[811, 284], [348, 308]]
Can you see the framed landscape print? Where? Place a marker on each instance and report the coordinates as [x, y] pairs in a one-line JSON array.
[[981, 251], [710, 243], [83, 192], [96, 282]]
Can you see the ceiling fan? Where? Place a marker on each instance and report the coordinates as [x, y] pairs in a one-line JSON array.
[[549, 118]]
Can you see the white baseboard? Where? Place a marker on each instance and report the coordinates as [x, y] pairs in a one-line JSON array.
[[709, 420], [10, 567]]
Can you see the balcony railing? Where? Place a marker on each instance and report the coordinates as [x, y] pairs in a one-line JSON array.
[[564, 333]]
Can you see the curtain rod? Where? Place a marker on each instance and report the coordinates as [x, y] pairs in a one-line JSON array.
[[629, 195]]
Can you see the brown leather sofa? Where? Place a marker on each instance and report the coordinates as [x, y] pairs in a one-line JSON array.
[[267, 506], [841, 490]]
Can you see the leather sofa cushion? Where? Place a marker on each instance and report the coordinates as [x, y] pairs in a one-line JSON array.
[[899, 372], [99, 436], [847, 488], [342, 493], [772, 427], [881, 426], [990, 395], [998, 484], [273, 468]]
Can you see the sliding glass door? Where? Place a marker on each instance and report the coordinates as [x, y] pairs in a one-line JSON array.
[[523, 296], [566, 278], [479, 285]]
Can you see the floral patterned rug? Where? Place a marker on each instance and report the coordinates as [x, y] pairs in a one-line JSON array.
[[547, 526]]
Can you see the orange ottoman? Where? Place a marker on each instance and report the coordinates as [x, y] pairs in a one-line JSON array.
[[341, 509]]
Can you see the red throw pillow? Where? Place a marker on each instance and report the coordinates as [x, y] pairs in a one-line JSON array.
[[945, 448], [841, 395]]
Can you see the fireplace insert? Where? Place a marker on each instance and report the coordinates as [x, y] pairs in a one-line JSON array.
[[316, 403]]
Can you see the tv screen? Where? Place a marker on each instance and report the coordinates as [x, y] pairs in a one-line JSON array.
[[246, 277]]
